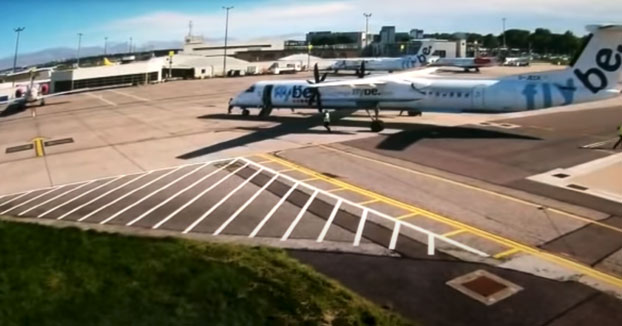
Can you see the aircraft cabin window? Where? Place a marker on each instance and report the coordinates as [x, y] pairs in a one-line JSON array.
[[466, 94], [438, 94], [459, 94], [451, 94]]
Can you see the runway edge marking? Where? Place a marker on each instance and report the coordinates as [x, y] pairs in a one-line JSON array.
[[610, 279]]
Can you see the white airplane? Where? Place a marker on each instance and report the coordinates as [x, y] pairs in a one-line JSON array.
[[21, 96], [595, 75], [387, 64]]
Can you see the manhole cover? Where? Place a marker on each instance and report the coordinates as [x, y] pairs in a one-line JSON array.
[[20, 148], [561, 175], [484, 287]]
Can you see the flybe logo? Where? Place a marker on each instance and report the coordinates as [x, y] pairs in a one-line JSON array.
[[594, 78], [295, 92]]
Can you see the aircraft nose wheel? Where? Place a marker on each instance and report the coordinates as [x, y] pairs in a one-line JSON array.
[[377, 125]]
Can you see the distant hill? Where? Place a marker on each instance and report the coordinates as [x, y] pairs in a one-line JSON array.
[[62, 53]]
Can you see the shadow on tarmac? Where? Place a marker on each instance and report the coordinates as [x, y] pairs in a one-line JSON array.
[[293, 125]]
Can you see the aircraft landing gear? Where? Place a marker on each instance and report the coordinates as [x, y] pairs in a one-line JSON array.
[[245, 112], [265, 111], [377, 125], [414, 113], [42, 103]]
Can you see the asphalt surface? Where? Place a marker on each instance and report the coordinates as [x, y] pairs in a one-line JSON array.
[[506, 156], [417, 288], [230, 197]]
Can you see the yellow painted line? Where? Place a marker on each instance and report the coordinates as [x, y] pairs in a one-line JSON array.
[[506, 253], [310, 179], [264, 162], [367, 202], [336, 189], [285, 170], [581, 268], [454, 232], [38, 142], [407, 216], [475, 188]]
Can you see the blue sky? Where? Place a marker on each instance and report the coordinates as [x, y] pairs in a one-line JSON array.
[[55, 23]]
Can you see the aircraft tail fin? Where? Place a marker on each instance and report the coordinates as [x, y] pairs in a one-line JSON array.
[[107, 62], [599, 65]]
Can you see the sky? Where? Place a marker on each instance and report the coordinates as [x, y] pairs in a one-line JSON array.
[[56, 23]]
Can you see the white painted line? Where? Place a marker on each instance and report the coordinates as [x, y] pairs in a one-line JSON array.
[[431, 244], [101, 98], [248, 202], [195, 198], [221, 201], [16, 198], [329, 222], [150, 195], [380, 214], [78, 197], [394, 236], [302, 212], [359, 230], [128, 194], [30, 200], [56, 197], [598, 144], [130, 95], [103, 195], [174, 196], [273, 210]]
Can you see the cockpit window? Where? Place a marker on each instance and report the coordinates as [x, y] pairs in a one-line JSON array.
[[250, 90]]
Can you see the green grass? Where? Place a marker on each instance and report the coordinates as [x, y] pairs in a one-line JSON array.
[[52, 276]]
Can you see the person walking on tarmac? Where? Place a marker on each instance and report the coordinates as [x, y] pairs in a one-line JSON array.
[[620, 136], [327, 121]]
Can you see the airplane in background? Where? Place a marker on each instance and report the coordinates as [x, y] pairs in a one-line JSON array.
[[387, 64], [516, 61], [594, 75], [465, 63], [21, 96]]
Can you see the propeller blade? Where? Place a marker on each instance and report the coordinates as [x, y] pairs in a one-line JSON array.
[[362, 69], [323, 77], [314, 94], [316, 73], [320, 108]]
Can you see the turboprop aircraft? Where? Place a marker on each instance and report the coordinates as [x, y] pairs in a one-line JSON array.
[[465, 63], [596, 74], [387, 64]]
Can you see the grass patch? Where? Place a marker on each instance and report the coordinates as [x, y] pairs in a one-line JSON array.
[[52, 276]]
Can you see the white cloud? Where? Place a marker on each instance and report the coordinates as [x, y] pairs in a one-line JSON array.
[[285, 18]]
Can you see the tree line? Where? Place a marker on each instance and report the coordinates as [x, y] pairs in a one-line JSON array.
[[541, 41]]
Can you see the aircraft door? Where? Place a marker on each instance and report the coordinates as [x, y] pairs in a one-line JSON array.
[[478, 98], [266, 98]]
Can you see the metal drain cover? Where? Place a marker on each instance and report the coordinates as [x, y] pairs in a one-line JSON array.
[[484, 287]]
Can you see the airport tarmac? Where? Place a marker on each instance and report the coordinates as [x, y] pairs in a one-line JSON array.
[[465, 178]]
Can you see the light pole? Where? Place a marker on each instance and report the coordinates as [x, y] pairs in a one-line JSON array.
[[224, 62], [78, 53], [367, 28], [130, 47], [504, 44], [105, 45], [18, 31]]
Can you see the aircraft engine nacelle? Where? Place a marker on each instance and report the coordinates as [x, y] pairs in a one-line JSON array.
[[44, 89]]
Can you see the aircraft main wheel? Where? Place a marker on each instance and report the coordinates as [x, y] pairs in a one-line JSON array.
[[377, 125], [245, 113], [414, 113], [42, 103]]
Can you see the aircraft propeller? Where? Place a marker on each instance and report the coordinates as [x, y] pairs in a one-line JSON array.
[[315, 92]]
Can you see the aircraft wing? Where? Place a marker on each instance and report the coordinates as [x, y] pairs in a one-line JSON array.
[[354, 83]]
